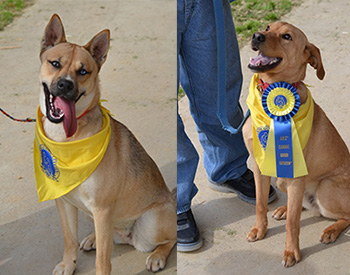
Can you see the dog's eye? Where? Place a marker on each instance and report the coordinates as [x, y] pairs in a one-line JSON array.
[[287, 36], [56, 64], [82, 72], [267, 28]]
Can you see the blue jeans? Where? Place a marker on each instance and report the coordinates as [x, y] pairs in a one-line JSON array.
[[225, 155]]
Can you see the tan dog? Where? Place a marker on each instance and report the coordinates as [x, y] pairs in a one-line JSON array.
[[126, 193], [284, 53]]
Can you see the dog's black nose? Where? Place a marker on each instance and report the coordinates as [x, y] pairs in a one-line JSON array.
[[65, 85], [257, 38]]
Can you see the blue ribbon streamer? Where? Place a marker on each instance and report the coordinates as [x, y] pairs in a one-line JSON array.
[[283, 131], [283, 149]]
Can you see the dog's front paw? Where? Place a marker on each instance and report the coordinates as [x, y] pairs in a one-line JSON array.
[[280, 213], [64, 269], [256, 234], [329, 235], [89, 243], [290, 258], [155, 262]]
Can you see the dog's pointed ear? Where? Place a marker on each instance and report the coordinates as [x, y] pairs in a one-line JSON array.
[[315, 60], [98, 47], [54, 34]]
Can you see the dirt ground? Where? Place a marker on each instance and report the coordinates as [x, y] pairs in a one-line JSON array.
[[224, 220], [139, 82]]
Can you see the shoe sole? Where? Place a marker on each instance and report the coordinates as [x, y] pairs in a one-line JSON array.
[[243, 197], [189, 247]]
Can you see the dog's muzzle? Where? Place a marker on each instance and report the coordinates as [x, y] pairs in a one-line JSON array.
[[262, 62], [60, 105], [257, 39]]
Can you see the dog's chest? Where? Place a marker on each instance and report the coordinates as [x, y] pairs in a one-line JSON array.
[[54, 131], [83, 196]]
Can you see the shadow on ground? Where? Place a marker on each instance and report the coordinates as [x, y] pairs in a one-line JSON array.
[[43, 231]]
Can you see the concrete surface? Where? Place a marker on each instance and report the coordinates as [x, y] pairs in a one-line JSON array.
[[224, 220], [139, 82]]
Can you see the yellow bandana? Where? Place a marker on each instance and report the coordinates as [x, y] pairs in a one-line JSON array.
[[61, 166], [264, 138]]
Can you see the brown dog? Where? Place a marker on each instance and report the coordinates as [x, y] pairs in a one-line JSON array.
[[126, 194], [284, 53]]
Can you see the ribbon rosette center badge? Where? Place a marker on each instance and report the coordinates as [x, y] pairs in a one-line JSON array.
[[281, 102]]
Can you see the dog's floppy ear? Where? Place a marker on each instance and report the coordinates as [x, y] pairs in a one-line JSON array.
[[315, 60], [98, 47], [54, 34]]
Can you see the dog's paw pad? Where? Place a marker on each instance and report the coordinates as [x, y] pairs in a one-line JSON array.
[[329, 236], [155, 262], [255, 234], [64, 269], [280, 213], [291, 258], [89, 243]]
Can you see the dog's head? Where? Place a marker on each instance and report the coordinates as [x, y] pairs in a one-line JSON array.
[[69, 75], [284, 52]]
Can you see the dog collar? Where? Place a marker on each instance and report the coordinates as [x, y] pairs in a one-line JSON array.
[[88, 110], [263, 85], [83, 114]]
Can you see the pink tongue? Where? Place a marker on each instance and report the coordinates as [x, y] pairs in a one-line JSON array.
[[69, 119], [261, 60]]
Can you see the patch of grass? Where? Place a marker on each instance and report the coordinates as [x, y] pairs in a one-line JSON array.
[[228, 231], [9, 9], [231, 232], [251, 16], [181, 93]]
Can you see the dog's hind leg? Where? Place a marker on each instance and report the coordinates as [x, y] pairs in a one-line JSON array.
[[156, 229], [157, 260], [280, 213], [69, 220], [331, 233], [88, 243]]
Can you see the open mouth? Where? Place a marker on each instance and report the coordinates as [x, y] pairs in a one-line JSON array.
[[263, 63], [53, 112], [60, 109]]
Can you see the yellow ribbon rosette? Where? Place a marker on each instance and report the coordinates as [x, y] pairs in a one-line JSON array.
[[281, 128]]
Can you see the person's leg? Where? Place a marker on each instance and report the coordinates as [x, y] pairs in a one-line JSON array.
[[187, 156], [188, 236], [225, 155], [187, 161]]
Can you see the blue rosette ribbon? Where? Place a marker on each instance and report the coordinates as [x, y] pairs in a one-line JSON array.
[[281, 102]]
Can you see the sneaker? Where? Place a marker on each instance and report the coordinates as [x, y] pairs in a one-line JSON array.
[[244, 187], [188, 236]]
